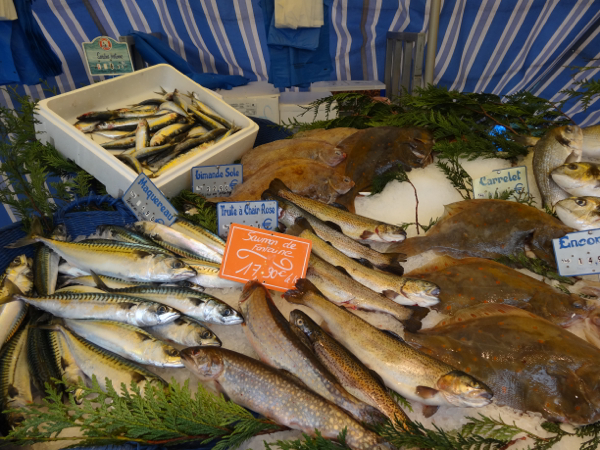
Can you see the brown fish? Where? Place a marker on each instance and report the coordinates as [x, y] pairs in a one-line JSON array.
[[264, 155], [488, 229], [472, 281], [269, 392], [305, 177], [374, 151], [332, 136], [529, 363]]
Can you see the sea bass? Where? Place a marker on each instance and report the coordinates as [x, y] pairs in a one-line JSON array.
[[558, 146], [489, 229], [270, 335], [267, 391], [581, 213], [578, 179], [411, 373], [530, 363]]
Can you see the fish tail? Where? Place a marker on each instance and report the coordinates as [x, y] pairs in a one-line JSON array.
[[303, 287], [36, 231], [278, 185], [11, 291], [99, 283]]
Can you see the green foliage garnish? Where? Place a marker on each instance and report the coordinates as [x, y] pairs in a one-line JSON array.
[[405, 404], [205, 212], [311, 443], [535, 265]]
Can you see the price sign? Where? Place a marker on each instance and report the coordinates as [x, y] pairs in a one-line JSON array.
[[105, 56], [147, 202], [578, 253], [499, 181], [277, 260], [216, 181], [260, 214]]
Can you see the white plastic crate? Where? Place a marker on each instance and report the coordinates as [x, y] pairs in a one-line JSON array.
[[58, 114]]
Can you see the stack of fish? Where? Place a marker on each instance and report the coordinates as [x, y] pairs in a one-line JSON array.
[[159, 133], [123, 302]]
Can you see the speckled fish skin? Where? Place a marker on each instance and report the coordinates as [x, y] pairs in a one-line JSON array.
[[348, 370], [271, 337], [332, 136], [402, 290], [471, 281], [345, 291], [578, 179], [557, 147], [530, 363], [581, 213], [352, 225], [411, 373], [263, 389], [185, 331], [489, 229]]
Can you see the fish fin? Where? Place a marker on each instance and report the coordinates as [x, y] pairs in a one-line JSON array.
[[339, 206], [36, 230], [303, 286], [304, 224], [277, 185], [99, 283], [63, 281], [429, 410], [390, 294], [365, 262], [335, 226], [440, 263], [396, 269], [366, 234], [415, 321], [426, 392], [411, 246], [12, 290], [377, 378], [451, 209], [343, 270], [142, 253]]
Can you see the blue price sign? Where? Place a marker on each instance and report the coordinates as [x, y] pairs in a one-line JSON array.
[[147, 202], [216, 181], [260, 214], [578, 253]]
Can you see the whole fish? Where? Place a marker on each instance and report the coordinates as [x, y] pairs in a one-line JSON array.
[[120, 308], [197, 103], [125, 340], [184, 158], [165, 134], [352, 225], [41, 356], [114, 259], [20, 274], [290, 213], [96, 115], [558, 146], [472, 281], [305, 177], [332, 136], [153, 247], [402, 290], [489, 229], [67, 269], [201, 234], [178, 242], [591, 142], [411, 373], [346, 368], [46, 264], [135, 113], [69, 370], [112, 134], [578, 179], [80, 289], [581, 213], [132, 162], [86, 127], [198, 305], [265, 390], [88, 280], [345, 291], [105, 365], [197, 131], [142, 135], [154, 123], [15, 380], [271, 337], [206, 120], [187, 332], [172, 106], [530, 363], [207, 275], [263, 155]]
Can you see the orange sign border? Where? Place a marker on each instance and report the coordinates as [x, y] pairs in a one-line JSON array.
[[236, 226]]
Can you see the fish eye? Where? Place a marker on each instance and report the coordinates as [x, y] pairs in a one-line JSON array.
[[177, 264], [17, 260], [172, 352], [227, 312], [572, 166], [161, 309], [580, 202], [346, 180], [300, 322], [337, 152], [205, 335]]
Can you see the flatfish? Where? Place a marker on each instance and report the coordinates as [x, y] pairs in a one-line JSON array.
[[332, 136]]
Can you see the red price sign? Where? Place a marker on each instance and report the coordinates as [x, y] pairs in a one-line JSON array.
[[275, 259]]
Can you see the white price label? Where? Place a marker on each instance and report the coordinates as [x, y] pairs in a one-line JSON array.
[[578, 253], [499, 181]]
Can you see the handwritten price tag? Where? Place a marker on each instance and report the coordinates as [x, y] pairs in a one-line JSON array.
[[275, 259]]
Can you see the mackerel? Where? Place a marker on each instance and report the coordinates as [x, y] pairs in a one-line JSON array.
[[122, 234], [187, 332], [69, 370], [201, 234], [46, 264], [41, 356], [12, 316], [19, 273], [207, 275]]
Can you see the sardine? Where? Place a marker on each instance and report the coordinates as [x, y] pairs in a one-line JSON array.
[[142, 135], [125, 340], [402, 290], [180, 159], [411, 373], [206, 120], [196, 103], [86, 127], [581, 213], [149, 152], [164, 134], [117, 144], [207, 275], [352, 225], [265, 390], [96, 115], [558, 146], [171, 106], [132, 162], [346, 368], [271, 337], [136, 113], [578, 179], [93, 360], [345, 291], [187, 332], [113, 134], [197, 131]]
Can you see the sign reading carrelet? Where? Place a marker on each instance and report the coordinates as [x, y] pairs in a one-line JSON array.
[[105, 56]]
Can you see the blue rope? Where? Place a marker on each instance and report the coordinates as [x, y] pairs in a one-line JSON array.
[[86, 201]]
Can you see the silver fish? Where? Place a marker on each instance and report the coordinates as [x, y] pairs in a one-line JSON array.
[[578, 179], [581, 213], [187, 332]]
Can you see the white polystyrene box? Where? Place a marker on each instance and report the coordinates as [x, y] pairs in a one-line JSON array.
[[58, 114]]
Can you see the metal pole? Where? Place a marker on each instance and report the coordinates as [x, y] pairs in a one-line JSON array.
[[432, 35]]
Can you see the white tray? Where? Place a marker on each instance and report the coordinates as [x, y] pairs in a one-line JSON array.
[[58, 114]]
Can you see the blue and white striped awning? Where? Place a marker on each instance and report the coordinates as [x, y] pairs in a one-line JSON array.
[[498, 46]]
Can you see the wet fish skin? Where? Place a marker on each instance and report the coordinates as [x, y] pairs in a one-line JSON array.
[[122, 143], [197, 103], [187, 332], [411, 373], [581, 213], [201, 234], [530, 363], [41, 349], [20, 274], [207, 275], [578, 179], [88, 280], [271, 337], [128, 341], [591, 142], [172, 106], [142, 135], [86, 127], [348, 370], [165, 134], [96, 115], [332, 136], [558, 146], [352, 225], [131, 162], [122, 234], [172, 161], [261, 388], [46, 264], [205, 119], [12, 316], [69, 369]]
